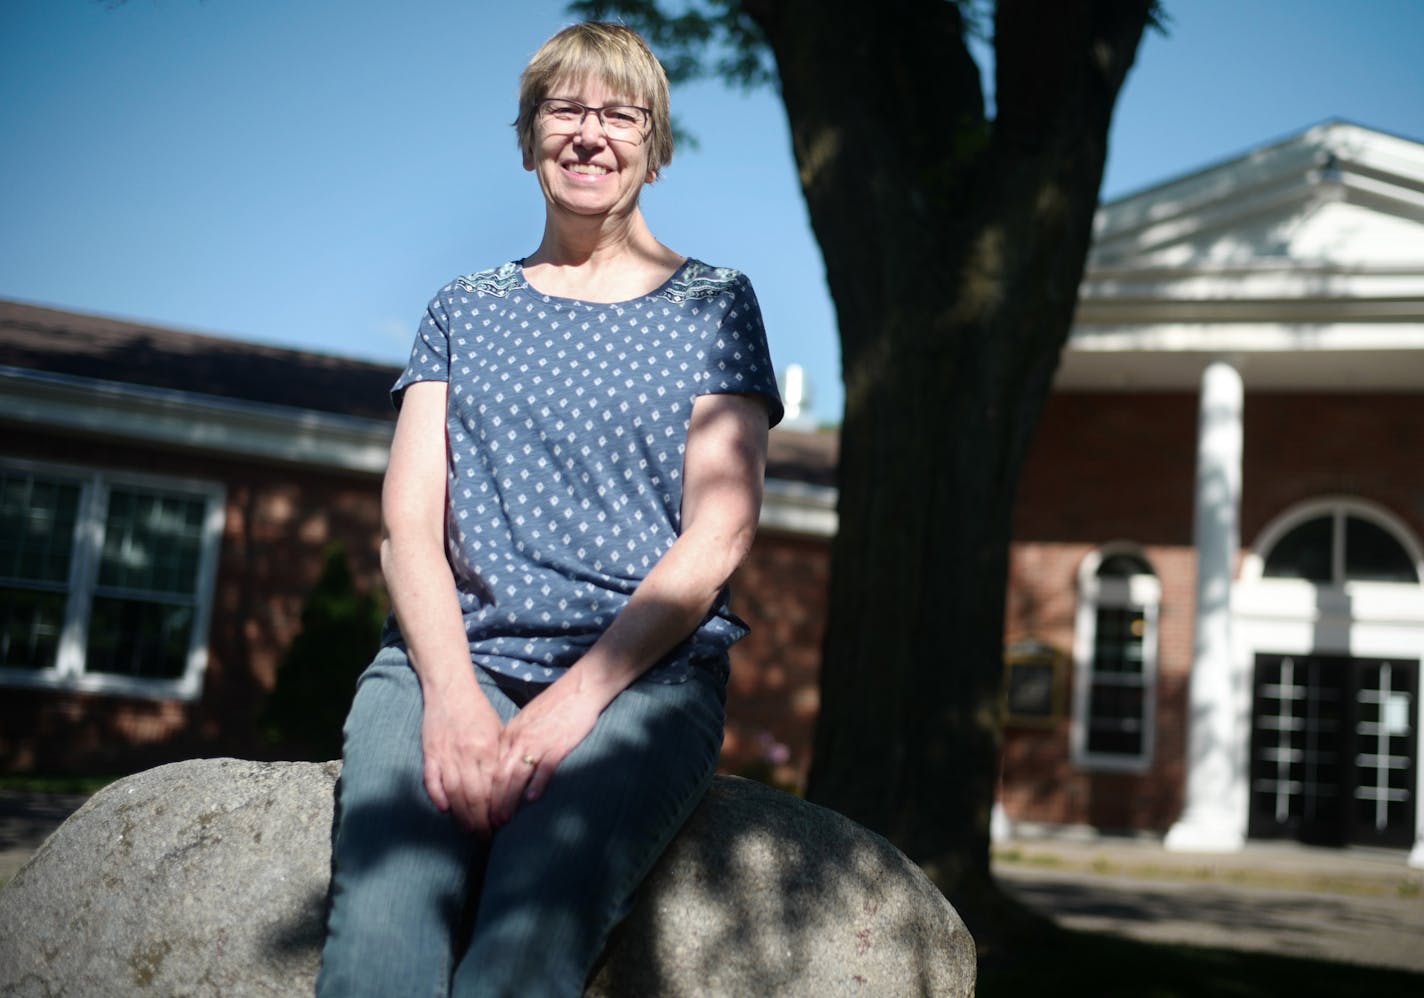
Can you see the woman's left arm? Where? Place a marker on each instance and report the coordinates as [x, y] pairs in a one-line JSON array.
[[723, 468]]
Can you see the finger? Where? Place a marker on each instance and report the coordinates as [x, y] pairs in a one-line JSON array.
[[514, 776], [434, 787], [539, 780], [479, 818], [460, 808]]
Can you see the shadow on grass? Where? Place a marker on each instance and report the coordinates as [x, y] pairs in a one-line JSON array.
[[1065, 962]]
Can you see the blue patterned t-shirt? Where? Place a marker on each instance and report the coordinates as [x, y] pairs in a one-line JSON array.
[[566, 424]]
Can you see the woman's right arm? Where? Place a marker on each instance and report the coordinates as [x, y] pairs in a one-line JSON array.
[[459, 729]]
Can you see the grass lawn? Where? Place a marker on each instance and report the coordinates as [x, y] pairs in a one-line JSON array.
[[1081, 963], [43, 784]]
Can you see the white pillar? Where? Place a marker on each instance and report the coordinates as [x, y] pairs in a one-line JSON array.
[[1218, 705]]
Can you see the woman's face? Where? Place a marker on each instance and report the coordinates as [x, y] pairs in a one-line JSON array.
[[580, 168]]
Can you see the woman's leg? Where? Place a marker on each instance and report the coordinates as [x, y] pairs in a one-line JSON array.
[[563, 872], [401, 869]]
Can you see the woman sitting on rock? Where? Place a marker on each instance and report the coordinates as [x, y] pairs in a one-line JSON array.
[[576, 472]]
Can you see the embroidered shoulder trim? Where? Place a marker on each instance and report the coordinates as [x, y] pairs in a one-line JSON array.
[[498, 282], [699, 281]]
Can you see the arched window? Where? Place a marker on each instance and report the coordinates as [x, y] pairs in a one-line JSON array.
[[1115, 651], [1336, 542]]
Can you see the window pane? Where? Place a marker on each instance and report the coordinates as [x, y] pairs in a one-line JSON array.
[[30, 623], [1303, 553], [1115, 720], [1373, 555], [1117, 641], [1123, 566], [152, 542], [36, 528], [139, 638]]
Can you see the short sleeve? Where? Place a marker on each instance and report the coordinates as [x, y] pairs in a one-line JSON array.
[[739, 360], [430, 354]]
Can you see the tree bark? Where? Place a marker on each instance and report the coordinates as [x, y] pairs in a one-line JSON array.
[[954, 246]]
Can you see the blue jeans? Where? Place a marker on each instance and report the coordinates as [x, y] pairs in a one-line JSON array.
[[419, 907]]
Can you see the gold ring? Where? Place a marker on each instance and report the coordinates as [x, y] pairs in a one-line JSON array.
[[529, 760]]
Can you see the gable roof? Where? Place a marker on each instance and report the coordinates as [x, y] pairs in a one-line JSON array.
[[1303, 259]]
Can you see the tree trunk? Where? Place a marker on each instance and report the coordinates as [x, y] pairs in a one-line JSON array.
[[954, 247]]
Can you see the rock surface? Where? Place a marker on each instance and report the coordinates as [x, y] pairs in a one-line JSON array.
[[209, 878]]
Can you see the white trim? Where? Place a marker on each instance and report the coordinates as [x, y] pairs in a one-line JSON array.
[[1337, 506], [799, 508], [1143, 592], [95, 485], [190, 419], [1356, 619]]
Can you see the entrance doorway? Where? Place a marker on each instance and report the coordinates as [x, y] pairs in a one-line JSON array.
[[1334, 749]]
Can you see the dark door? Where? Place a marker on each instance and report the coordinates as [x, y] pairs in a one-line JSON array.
[[1333, 749]]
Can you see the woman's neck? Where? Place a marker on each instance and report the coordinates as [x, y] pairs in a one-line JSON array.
[[591, 260]]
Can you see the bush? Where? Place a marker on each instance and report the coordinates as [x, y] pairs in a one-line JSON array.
[[341, 629]]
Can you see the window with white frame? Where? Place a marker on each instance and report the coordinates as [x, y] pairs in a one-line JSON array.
[[1115, 653], [105, 579], [1336, 542]]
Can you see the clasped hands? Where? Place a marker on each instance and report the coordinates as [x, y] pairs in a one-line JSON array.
[[483, 771]]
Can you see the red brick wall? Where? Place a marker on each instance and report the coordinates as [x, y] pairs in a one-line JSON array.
[[1301, 447], [1109, 467], [1102, 467], [278, 521], [773, 695]]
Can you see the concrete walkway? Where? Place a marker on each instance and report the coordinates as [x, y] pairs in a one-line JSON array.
[[1343, 905], [26, 819]]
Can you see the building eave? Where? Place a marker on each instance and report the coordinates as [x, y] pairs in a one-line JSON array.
[[169, 418], [213, 425]]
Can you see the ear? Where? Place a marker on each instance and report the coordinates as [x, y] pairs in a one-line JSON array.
[[650, 176], [528, 160]]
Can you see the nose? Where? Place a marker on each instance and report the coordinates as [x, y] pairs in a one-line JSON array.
[[590, 129]]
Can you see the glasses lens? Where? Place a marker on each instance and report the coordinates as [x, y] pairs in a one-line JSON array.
[[562, 111], [624, 117]]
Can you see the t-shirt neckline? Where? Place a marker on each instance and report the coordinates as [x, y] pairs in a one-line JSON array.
[[687, 261]]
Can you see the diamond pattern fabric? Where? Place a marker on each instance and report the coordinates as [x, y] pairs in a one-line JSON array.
[[567, 423]]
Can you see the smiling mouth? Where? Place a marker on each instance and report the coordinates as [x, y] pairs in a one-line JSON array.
[[587, 169]]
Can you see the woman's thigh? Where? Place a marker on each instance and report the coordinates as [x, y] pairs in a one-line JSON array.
[[563, 872], [401, 869]]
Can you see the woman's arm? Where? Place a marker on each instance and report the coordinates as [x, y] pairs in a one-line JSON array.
[[459, 729], [723, 468]]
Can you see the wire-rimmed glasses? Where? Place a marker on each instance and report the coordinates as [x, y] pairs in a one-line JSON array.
[[562, 115]]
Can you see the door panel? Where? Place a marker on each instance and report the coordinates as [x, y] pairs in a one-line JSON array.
[[1333, 746]]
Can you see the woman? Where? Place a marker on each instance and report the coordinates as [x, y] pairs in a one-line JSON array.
[[575, 474]]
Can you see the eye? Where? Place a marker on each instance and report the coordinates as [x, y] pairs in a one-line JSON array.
[[623, 117], [563, 110]]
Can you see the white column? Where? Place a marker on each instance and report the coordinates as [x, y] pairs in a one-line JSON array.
[[1218, 703]]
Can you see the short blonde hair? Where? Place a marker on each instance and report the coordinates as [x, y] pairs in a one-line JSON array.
[[614, 55]]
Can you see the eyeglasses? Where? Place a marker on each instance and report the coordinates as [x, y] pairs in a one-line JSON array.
[[620, 121]]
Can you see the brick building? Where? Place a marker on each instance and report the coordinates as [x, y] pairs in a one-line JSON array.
[[1216, 617]]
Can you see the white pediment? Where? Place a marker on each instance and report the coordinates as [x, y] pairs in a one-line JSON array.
[[1303, 260], [1336, 193]]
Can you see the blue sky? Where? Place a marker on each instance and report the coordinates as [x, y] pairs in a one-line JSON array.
[[308, 172]]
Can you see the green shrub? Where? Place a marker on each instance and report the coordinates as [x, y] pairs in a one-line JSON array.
[[316, 679]]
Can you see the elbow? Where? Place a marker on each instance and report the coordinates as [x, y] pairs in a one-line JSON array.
[[739, 546], [725, 553]]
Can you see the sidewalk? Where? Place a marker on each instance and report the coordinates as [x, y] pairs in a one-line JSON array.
[[1345, 905], [26, 819]]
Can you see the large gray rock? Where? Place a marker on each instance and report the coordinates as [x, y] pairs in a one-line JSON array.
[[209, 878]]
